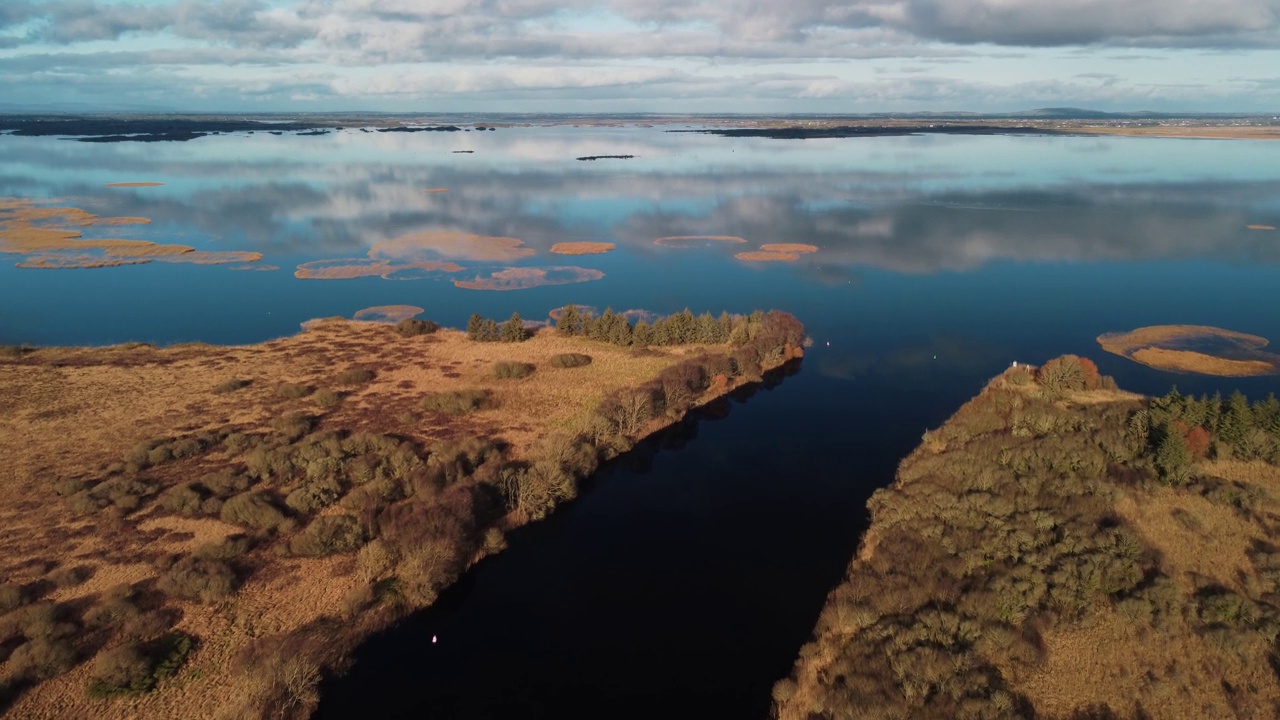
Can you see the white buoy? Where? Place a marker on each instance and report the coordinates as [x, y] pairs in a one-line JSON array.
[[433, 639]]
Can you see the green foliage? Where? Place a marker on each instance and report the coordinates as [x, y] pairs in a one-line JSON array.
[[482, 329], [229, 386], [412, 327], [570, 321], [508, 369], [570, 360], [681, 328], [513, 329], [459, 402]]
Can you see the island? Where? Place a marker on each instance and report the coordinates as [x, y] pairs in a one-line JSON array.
[[1060, 548], [202, 531]]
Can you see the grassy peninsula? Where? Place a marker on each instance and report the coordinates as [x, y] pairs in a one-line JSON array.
[[202, 531], [1062, 549]]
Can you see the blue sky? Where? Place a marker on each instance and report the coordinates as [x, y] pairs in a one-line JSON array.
[[765, 56]]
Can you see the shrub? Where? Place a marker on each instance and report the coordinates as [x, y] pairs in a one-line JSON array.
[[1062, 374], [459, 402], [229, 386], [229, 548], [293, 425], [356, 376], [184, 499], [134, 668], [328, 535], [42, 658], [200, 579], [513, 329], [12, 595], [570, 360], [293, 391], [225, 482], [252, 510], [70, 576], [326, 398], [509, 370], [115, 606], [410, 327], [312, 497]]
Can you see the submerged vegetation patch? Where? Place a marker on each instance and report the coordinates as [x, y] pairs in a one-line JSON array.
[[1194, 348], [521, 278], [582, 248]]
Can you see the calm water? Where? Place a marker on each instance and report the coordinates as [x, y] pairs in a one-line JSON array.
[[685, 581]]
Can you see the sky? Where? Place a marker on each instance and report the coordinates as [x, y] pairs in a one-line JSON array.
[[665, 56]]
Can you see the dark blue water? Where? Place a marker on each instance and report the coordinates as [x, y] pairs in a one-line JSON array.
[[684, 581]]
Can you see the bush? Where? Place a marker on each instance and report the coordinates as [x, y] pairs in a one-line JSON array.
[[293, 426], [42, 658], [293, 391], [410, 327], [356, 376], [134, 668], [458, 402], [184, 499], [510, 370], [1062, 374], [229, 548], [200, 579], [12, 596], [70, 576], [252, 510], [513, 329], [115, 607], [570, 360], [225, 482], [326, 398], [312, 497], [229, 386], [328, 535]]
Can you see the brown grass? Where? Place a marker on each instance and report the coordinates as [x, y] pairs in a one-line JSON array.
[[789, 247], [388, 313], [762, 256], [1259, 227], [46, 236], [134, 184], [1158, 346], [582, 248], [521, 278], [70, 412], [346, 269], [435, 191], [452, 245]]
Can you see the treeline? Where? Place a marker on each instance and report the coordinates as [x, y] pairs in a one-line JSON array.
[[1003, 526], [1180, 429], [682, 328]]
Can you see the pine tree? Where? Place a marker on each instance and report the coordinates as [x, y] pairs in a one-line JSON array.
[[513, 329], [1173, 459], [570, 322], [474, 326], [1236, 419], [642, 335]]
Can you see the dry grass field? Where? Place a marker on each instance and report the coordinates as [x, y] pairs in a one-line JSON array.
[[1059, 549], [217, 496]]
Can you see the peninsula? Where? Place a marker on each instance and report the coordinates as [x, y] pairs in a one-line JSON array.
[[1062, 549], [201, 531]]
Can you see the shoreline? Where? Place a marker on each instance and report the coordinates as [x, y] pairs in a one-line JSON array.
[[287, 604]]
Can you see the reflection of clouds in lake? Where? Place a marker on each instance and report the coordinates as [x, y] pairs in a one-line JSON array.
[[523, 278]]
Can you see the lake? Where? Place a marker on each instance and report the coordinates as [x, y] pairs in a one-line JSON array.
[[685, 580]]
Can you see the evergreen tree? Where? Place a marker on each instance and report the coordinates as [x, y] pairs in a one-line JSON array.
[[707, 328], [642, 335], [600, 330], [726, 327], [1236, 419], [1173, 459], [1266, 414], [513, 329], [570, 323], [474, 326], [620, 333]]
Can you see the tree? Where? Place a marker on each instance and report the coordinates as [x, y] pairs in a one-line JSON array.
[[1236, 419], [642, 334], [513, 329], [1173, 459], [570, 322], [474, 325]]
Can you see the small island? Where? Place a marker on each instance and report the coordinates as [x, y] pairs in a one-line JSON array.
[[1060, 548], [201, 531]]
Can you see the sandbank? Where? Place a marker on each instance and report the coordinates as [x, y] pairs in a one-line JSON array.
[[685, 240], [1178, 348], [582, 248], [388, 313], [134, 184]]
